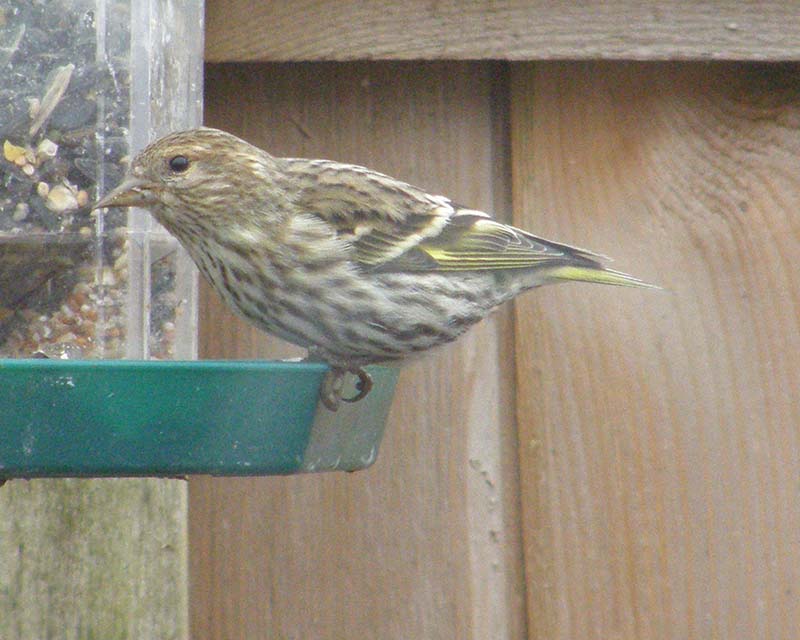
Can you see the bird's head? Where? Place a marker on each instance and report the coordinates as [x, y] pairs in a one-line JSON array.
[[197, 172]]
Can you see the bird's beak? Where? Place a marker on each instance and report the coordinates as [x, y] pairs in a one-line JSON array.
[[131, 192]]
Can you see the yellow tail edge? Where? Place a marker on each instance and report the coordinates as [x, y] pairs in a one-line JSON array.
[[600, 276]]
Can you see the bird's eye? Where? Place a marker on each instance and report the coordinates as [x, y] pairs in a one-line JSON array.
[[178, 164]]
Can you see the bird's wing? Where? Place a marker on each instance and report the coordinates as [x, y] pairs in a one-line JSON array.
[[394, 226], [467, 241]]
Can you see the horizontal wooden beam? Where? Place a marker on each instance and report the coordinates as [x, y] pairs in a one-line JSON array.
[[285, 30]]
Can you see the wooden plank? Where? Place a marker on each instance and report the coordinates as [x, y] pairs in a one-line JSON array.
[[658, 431], [248, 30], [93, 559], [425, 544]]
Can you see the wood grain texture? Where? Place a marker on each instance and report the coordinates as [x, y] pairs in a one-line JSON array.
[[250, 30], [658, 431], [425, 544], [93, 559]]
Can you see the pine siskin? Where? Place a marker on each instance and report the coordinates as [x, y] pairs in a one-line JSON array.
[[352, 264]]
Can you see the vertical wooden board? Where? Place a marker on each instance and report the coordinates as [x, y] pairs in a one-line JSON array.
[[425, 544], [93, 559], [658, 430]]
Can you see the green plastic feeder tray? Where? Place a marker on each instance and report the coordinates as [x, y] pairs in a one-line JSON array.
[[92, 418]]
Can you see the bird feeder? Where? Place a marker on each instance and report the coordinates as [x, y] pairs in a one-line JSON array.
[[98, 317]]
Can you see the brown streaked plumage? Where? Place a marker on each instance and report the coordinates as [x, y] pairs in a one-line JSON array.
[[354, 265]]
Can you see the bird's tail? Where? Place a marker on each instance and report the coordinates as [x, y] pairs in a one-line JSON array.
[[597, 273]]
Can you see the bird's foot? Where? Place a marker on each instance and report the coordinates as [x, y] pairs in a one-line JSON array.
[[363, 386], [331, 390]]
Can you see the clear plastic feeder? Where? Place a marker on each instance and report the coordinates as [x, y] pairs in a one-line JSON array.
[[87, 84]]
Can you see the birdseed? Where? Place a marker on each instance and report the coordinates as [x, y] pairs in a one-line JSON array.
[[64, 130]]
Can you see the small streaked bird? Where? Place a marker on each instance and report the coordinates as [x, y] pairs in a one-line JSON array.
[[356, 266]]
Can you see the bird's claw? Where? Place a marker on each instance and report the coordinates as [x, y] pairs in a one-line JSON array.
[[363, 386], [331, 391]]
